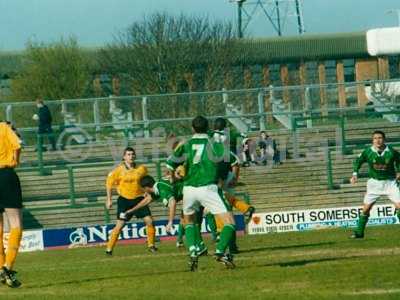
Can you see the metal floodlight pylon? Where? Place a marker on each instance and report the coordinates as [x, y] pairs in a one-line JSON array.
[[276, 12]]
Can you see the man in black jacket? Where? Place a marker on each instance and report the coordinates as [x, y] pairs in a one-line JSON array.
[[44, 118]]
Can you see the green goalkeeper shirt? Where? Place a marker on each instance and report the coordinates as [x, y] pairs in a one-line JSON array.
[[381, 165], [234, 136], [226, 166]]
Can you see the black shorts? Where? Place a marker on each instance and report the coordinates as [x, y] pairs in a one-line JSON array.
[[10, 189], [125, 204]]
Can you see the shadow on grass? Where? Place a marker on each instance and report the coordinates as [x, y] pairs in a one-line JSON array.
[[111, 277], [260, 249], [304, 262], [300, 263]]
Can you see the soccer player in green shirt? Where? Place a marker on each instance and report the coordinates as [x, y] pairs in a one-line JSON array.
[[162, 191], [168, 191], [201, 157], [220, 132], [384, 166]]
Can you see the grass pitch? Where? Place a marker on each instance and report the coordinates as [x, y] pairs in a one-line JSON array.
[[307, 265]]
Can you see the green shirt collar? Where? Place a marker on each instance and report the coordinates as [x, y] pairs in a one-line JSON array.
[[200, 136], [376, 150]]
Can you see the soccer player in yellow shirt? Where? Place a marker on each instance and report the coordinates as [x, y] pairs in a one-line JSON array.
[[10, 202], [126, 178]]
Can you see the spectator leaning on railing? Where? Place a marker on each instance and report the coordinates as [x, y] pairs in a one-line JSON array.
[[44, 119]]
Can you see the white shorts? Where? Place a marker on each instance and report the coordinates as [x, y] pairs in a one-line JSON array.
[[207, 196], [377, 188]]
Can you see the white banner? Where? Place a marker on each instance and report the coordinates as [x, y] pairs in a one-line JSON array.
[[32, 240], [284, 221]]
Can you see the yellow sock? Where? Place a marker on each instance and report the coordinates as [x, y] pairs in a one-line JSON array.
[[240, 205], [151, 235], [113, 239], [219, 224], [2, 254], [14, 240]]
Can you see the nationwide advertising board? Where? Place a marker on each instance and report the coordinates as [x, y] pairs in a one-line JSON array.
[[34, 240], [301, 220], [131, 233]]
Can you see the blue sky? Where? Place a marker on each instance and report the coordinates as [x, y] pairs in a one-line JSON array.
[[94, 22]]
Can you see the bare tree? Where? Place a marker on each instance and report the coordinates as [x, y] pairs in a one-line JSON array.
[[171, 54]]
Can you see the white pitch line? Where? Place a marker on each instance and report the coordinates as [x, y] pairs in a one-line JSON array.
[[374, 292]]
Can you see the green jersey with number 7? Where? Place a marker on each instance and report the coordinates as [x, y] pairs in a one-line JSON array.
[[201, 157]]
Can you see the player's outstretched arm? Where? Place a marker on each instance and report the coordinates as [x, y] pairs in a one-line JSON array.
[[177, 158], [145, 201], [171, 215]]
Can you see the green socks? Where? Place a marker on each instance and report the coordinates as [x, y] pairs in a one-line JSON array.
[[232, 244], [362, 222], [194, 241], [210, 221], [181, 232], [190, 231], [198, 238], [227, 234]]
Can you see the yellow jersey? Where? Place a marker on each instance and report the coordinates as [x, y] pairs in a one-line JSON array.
[[127, 181], [9, 142]]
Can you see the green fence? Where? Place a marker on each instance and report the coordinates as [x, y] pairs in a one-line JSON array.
[[92, 201], [72, 194]]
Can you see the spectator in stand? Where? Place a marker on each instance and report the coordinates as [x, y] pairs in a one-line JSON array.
[[248, 152], [268, 149], [44, 119]]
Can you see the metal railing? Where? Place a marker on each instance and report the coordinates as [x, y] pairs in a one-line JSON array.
[[304, 104], [340, 141], [144, 110]]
